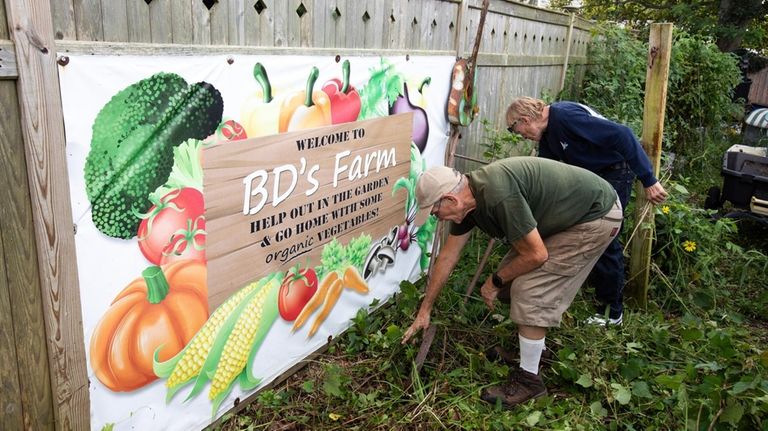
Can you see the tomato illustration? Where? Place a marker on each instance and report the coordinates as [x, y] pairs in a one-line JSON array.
[[186, 244], [179, 211], [298, 287], [233, 131]]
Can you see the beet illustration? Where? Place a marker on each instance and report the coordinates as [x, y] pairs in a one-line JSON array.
[[420, 125]]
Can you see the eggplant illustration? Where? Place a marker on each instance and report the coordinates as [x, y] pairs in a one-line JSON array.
[[420, 124]]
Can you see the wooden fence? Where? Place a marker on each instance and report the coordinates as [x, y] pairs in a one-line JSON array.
[[758, 91], [524, 51]]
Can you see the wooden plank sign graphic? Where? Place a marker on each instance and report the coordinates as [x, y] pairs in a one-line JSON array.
[[276, 200]]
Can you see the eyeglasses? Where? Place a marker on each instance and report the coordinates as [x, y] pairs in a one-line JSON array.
[[436, 208], [511, 128]]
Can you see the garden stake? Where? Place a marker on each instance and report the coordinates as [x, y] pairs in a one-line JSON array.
[[426, 343], [480, 268]]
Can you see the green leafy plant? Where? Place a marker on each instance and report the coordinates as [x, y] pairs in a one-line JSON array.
[[383, 88], [498, 145]]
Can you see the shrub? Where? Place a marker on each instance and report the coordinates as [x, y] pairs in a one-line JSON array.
[[701, 83]]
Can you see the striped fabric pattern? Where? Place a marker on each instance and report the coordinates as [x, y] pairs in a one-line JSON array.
[[758, 118]]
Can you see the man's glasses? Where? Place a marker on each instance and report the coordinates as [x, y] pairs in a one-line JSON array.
[[436, 208], [511, 128]]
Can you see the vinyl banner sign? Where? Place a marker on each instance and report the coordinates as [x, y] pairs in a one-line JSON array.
[[270, 201], [233, 213]]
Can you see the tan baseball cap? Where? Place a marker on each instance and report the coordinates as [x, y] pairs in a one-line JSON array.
[[434, 183]]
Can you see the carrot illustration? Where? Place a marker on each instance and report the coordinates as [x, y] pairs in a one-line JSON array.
[[316, 300], [354, 281], [333, 295]]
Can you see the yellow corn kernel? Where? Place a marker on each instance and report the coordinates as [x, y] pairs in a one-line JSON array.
[[237, 348], [192, 362]]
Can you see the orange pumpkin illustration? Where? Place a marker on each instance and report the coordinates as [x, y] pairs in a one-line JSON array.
[[164, 307]]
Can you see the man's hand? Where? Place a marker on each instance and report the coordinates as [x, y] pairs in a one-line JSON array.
[[655, 193], [421, 322], [489, 292]]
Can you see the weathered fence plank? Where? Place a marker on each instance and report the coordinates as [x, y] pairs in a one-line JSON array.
[[201, 24], [236, 25], [380, 26], [138, 22], [758, 92], [20, 275], [267, 26], [64, 19], [281, 9], [160, 22], [293, 21], [10, 392], [89, 19], [219, 24], [10, 399], [115, 20], [42, 127], [181, 21]]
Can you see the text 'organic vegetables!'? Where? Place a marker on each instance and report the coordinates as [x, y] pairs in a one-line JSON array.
[[132, 145], [155, 316]]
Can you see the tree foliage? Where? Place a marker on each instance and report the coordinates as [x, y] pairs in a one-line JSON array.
[[729, 23], [701, 82]]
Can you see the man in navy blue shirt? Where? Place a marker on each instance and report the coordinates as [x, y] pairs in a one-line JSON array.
[[575, 134]]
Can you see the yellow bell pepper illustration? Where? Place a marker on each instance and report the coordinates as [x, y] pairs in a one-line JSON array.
[[419, 98], [306, 109], [260, 113]]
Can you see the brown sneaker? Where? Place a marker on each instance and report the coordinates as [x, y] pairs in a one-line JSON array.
[[523, 386]]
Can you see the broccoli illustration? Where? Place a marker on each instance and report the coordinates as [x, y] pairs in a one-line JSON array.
[[132, 145]]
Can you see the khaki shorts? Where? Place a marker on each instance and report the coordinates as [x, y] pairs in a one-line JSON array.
[[540, 297]]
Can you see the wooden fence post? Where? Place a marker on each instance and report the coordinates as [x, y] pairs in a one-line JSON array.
[[30, 24], [659, 51], [568, 38]]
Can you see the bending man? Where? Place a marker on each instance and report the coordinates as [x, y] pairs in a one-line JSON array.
[[558, 220]]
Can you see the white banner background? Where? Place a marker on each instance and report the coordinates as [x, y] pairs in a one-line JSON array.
[[106, 265]]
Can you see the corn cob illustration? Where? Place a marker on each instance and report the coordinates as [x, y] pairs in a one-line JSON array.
[[188, 363], [238, 342]]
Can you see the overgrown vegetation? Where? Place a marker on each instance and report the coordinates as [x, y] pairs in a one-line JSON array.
[[696, 359], [693, 361]]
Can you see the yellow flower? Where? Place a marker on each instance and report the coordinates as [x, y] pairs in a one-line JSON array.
[[689, 245], [665, 209], [334, 416]]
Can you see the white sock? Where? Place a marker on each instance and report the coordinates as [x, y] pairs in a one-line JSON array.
[[530, 354]]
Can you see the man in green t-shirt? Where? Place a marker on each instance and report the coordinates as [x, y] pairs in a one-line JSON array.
[[557, 218]]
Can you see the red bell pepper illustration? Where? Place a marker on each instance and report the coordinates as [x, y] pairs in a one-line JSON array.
[[345, 101], [260, 112], [306, 109]]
